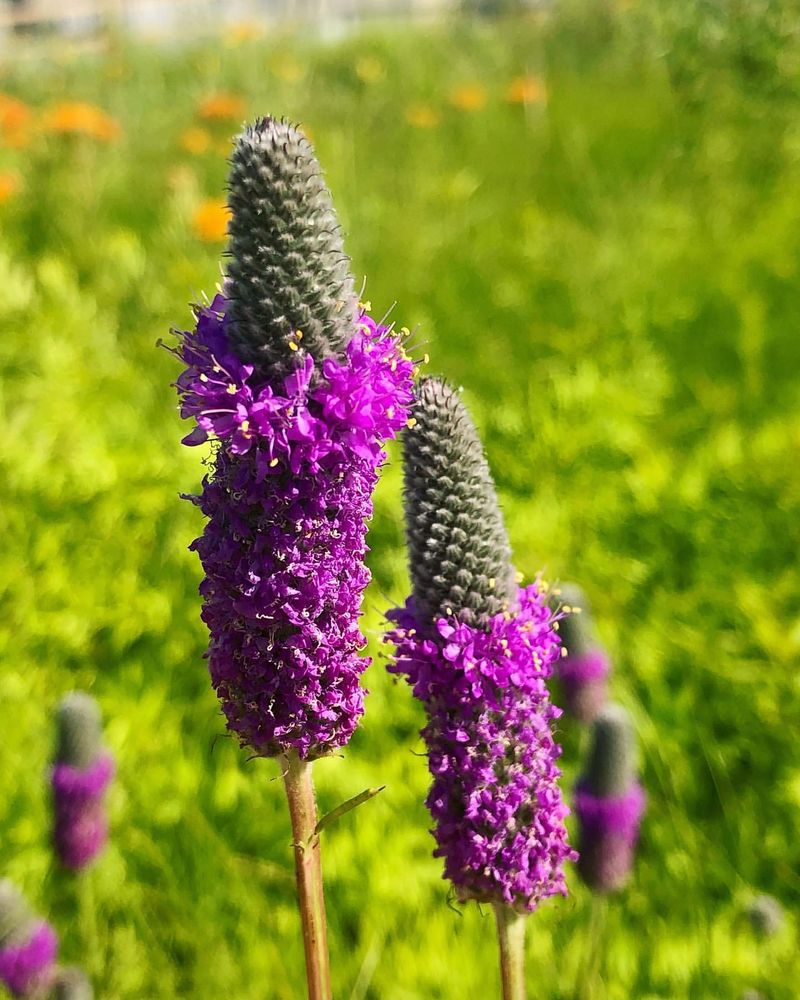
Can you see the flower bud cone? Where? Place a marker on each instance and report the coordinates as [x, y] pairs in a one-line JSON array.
[[288, 271]]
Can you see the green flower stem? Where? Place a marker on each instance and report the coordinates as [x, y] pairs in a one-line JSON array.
[[511, 938], [308, 866], [87, 922]]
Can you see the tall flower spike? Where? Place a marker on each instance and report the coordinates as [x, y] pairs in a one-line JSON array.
[[28, 946], [299, 393], [458, 549], [289, 280], [81, 774], [584, 671], [477, 650], [609, 803]]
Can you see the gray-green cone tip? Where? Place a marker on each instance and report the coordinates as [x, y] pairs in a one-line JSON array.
[[766, 915], [611, 765], [288, 277], [16, 917], [458, 548], [576, 628], [72, 984], [80, 732]]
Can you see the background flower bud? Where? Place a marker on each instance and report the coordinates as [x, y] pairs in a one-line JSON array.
[[609, 803], [28, 946]]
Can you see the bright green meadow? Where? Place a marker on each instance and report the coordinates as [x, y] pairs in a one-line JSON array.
[[611, 269]]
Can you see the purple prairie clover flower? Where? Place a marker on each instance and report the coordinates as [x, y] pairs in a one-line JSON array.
[[584, 668], [478, 650], [609, 803], [28, 946], [287, 504], [80, 778]]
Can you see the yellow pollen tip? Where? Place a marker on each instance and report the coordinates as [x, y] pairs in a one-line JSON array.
[[273, 463], [492, 582], [426, 358], [231, 389], [245, 425], [411, 422], [563, 652], [292, 345], [519, 577], [298, 334], [203, 377]]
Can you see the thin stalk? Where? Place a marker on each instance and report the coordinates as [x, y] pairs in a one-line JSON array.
[[87, 921], [308, 867], [594, 948], [511, 938]]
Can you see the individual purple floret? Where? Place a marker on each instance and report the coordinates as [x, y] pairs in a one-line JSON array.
[[495, 798], [80, 777], [609, 803], [287, 504], [584, 669], [478, 651], [28, 947]]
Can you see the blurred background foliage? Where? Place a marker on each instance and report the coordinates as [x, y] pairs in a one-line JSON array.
[[591, 216]]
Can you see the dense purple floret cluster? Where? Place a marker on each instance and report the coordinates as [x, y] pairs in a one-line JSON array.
[[81, 822], [609, 829], [287, 504], [27, 968], [495, 799]]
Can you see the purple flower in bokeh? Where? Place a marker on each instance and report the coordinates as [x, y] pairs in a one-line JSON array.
[[80, 778], [28, 946], [583, 671], [495, 798], [609, 803], [287, 503], [81, 822]]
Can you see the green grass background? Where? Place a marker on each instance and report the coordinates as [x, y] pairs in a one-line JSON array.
[[614, 276]]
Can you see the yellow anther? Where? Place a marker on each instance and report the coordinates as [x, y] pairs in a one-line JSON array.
[[426, 358], [390, 412], [292, 345], [404, 331], [449, 611], [245, 426], [365, 306], [298, 334], [411, 422], [394, 365], [564, 652], [231, 389], [519, 577], [273, 463], [566, 609], [203, 378], [492, 582]]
